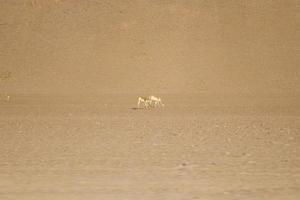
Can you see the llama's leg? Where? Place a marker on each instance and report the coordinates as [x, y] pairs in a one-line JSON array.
[[151, 104], [139, 101], [147, 104]]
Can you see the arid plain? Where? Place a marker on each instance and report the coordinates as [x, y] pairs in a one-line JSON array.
[[228, 74], [99, 149]]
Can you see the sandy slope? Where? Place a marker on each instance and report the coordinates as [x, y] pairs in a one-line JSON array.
[[80, 149], [142, 46]]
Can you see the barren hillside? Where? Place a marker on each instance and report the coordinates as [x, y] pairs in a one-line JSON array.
[[141, 46]]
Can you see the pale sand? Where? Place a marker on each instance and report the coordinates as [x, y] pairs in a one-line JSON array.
[[238, 138], [74, 148]]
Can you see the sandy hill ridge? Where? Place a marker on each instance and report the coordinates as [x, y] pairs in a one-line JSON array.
[[150, 46]]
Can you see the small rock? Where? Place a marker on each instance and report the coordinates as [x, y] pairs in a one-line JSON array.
[[251, 162], [184, 164]]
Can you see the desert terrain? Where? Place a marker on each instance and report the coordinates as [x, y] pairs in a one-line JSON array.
[[227, 71], [75, 148]]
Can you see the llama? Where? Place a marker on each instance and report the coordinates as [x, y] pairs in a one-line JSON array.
[[156, 100], [145, 100]]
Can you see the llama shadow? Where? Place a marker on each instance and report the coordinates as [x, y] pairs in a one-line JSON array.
[[136, 108]]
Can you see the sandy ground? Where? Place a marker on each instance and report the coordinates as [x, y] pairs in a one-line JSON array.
[[74, 69], [55, 147]]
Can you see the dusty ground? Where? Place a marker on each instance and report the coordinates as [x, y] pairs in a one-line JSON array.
[[74, 148], [74, 69]]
